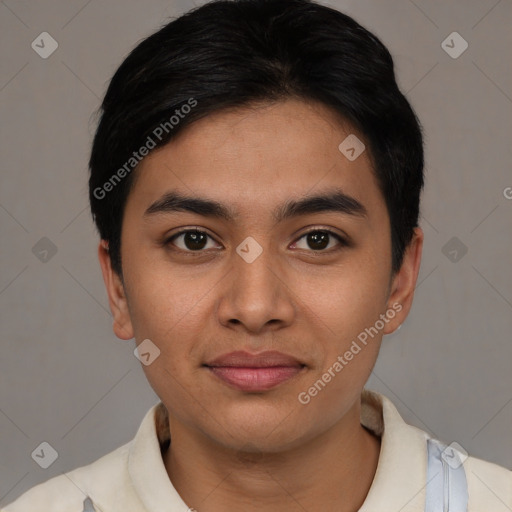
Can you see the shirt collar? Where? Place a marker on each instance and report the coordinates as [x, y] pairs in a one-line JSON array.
[[399, 482], [400, 479], [146, 466]]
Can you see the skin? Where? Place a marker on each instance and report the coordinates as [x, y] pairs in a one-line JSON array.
[[234, 450]]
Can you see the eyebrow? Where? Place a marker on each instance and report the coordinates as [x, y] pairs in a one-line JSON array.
[[334, 200]]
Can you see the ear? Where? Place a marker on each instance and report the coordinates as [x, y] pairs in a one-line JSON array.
[[122, 325], [404, 282]]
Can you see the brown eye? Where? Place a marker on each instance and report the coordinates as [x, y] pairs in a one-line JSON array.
[[319, 239], [191, 240]]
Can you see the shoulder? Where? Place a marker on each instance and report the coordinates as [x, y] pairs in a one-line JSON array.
[[103, 479], [489, 485], [404, 462], [105, 484]]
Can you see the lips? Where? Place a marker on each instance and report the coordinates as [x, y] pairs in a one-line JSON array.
[[255, 372]]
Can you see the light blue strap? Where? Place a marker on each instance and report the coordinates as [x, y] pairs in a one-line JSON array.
[[88, 506], [447, 489]]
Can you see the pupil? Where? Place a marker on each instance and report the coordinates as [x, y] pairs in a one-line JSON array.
[[192, 240], [318, 240]]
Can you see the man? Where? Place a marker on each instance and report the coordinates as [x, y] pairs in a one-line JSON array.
[[255, 180]]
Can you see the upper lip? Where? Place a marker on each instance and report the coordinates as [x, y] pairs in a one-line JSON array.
[[261, 360]]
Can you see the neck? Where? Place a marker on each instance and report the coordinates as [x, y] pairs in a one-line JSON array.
[[332, 472]]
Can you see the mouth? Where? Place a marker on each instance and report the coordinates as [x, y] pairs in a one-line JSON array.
[[255, 372]]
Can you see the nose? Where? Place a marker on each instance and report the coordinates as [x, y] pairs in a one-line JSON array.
[[256, 294]]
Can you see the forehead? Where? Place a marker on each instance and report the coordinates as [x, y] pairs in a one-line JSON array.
[[259, 157]]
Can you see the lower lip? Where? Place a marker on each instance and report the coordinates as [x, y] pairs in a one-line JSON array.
[[255, 379]]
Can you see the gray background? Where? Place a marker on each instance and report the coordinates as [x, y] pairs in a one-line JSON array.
[[64, 376]]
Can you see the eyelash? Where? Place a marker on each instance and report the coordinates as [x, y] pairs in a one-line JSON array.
[[342, 241]]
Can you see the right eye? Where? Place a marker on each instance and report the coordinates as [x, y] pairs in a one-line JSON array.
[[192, 240]]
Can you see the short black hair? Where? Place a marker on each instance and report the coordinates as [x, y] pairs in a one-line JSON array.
[[233, 53]]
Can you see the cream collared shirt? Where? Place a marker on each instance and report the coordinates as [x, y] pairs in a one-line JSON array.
[[133, 477]]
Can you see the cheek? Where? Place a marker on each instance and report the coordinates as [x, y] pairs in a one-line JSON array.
[[167, 310], [347, 298], [173, 310], [163, 296]]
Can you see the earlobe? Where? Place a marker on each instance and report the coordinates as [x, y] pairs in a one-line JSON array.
[[121, 325], [404, 282]]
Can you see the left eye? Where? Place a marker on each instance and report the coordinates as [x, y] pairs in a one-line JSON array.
[[319, 239]]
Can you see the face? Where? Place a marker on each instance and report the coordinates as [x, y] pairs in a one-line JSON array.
[[259, 275]]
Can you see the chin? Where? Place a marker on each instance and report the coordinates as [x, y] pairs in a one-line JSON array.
[[257, 431]]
